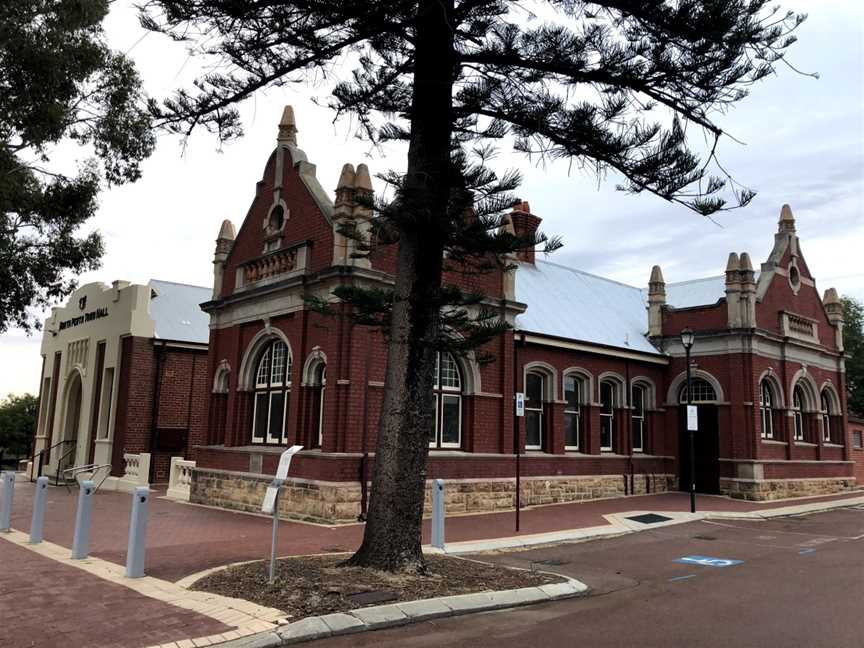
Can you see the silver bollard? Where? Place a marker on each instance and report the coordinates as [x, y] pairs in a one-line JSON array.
[[37, 522], [7, 478], [438, 514], [271, 573], [81, 540], [137, 533]]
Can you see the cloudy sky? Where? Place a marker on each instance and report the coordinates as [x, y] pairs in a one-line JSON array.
[[803, 144]]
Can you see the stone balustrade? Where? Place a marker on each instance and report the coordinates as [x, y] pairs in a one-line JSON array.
[[180, 479]]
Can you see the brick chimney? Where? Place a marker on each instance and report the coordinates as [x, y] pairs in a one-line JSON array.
[[656, 302], [346, 210], [524, 224]]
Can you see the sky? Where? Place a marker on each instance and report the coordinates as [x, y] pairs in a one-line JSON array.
[[800, 141]]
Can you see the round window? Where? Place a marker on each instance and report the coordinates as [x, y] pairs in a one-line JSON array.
[[794, 277], [277, 219]]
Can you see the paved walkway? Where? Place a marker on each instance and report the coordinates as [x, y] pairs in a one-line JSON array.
[[184, 539]]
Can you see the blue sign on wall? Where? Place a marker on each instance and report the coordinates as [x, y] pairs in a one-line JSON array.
[[708, 561]]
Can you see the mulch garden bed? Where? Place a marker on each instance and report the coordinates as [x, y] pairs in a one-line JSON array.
[[316, 585]]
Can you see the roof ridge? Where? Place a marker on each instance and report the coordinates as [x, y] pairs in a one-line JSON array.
[[690, 281], [178, 283], [586, 273]]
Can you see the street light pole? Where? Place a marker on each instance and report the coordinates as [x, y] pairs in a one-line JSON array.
[[687, 341]]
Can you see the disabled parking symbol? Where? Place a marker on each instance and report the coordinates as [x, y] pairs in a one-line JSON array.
[[708, 561]]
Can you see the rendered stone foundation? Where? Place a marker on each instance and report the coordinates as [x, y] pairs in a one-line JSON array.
[[339, 502], [773, 489]]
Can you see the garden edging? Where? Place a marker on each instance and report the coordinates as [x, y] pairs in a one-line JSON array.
[[395, 614]]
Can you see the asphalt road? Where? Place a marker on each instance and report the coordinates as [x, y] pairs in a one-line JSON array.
[[801, 584]]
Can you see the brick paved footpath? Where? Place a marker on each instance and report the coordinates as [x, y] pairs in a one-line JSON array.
[[183, 539], [44, 604]]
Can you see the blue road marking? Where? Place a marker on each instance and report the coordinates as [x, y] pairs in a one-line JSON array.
[[708, 561], [679, 578]]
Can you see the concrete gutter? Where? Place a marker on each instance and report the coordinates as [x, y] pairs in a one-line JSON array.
[[620, 524], [396, 614]]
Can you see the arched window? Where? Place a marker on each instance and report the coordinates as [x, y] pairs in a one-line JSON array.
[[572, 411], [637, 401], [798, 411], [534, 390], [448, 403], [826, 416], [766, 410], [272, 391], [607, 414], [321, 386], [703, 391]]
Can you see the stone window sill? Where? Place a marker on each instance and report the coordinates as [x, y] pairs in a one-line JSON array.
[[774, 442], [805, 444]]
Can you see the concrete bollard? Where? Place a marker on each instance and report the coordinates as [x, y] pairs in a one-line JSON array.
[[7, 479], [81, 540], [137, 533], [37, 522], [438, 514]]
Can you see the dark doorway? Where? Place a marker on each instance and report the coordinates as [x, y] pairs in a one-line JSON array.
[[707, 450]]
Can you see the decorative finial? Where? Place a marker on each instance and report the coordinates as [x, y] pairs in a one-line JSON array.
[[227, 232], [287, 127], [346, 178], [362, 179], [656, 275], [733, 264], [787, 220]]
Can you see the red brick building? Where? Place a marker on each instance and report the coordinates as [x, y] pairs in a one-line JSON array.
[[856, 438], [601, 364], [124, 374]]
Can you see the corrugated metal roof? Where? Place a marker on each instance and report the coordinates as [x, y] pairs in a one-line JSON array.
[[569, 303], [175, 311], [697, 292]]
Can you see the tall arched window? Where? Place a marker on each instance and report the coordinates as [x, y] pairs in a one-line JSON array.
[[766, 410], [703, 391], [607, 414], [448, 403], [572, 411], [320, 378], [798, 412], [534, 390], [637, 401], [826, 416], [272, 391]]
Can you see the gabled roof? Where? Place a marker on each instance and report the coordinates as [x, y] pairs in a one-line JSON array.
[[568, 303], [175, 311]]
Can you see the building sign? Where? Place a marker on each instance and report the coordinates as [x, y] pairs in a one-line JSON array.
[[692, 418], [99, 313], [520, 404], [269, 502]]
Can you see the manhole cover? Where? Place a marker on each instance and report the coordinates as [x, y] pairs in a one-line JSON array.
[[370, 598], [552, 562], [704, 537], [649, 518]]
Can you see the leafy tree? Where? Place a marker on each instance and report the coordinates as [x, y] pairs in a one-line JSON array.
[[59, 83], [17, 423], [853, 344], [611, 86]]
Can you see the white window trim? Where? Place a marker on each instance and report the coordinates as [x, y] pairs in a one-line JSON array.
[[766, 410], [640, 418], [579, 381], [437, 442], [610, 416]]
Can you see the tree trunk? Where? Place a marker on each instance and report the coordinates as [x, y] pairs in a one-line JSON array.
[[392, 539]]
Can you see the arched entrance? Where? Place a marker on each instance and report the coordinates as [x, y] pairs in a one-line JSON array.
[[706, 439], [66, 455]]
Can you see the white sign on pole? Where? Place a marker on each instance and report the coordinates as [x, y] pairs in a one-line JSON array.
[[520, 404], [281, 476], [692, 418]]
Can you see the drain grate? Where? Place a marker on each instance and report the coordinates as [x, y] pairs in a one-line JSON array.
[[649, 518], [370, 598], [552, 562]]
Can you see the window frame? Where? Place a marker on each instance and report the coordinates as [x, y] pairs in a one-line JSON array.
[[573, 412], [540, 409], [441, 393], [281, 386], [825, 417], [766, 410], [640, 417], [798, 413], [610, 416]]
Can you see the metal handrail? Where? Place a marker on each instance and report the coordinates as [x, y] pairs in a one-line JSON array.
[[60, 459], [74, 471], [41, 455]]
